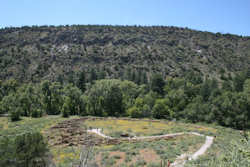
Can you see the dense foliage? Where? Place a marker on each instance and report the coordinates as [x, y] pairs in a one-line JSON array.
[[27, 150], [189, 98]]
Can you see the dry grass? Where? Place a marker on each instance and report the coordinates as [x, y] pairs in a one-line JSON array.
[[145, 153], [3, 123], [114, 127]]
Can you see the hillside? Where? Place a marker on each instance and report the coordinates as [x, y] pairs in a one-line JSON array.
[[60, 53]]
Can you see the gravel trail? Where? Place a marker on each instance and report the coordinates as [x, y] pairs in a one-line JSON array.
[[182, 159]]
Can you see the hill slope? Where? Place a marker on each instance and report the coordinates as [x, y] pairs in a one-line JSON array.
[[54, 53]]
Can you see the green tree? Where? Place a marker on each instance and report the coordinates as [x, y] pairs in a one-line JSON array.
[[150, 98], [30, 101], [128, 74], [11, 104], [176, 100], [27, 150], [194, 78], [66, 107], [191, 90], [93, 75], [71, 78], [130, 92], [205, 90], [73, 100], [137, 110], [105, 98], [232, 109], [101, 75], [226, 85], [51, 97], [198, 111], [82, 81], [157, 84], [144, 78], [246, 86], [134, 112], [161, 110], [238, 81], [113, 102], [8, 87]]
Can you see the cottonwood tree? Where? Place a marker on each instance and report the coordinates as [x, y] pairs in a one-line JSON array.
[[51, 97], [105, 98], [157, 84], [73, 100]]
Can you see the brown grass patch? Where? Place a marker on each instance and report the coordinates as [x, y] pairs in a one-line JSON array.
[[149, 155]]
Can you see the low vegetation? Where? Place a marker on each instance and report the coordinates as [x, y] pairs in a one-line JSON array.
[[117, 127], [228, 144], [147, 153], [27, 149]]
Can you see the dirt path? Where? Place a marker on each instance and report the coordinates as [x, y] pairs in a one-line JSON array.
[[181, 160], [98, 132], [203, 149]]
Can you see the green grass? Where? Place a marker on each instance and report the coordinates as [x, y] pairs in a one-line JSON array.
[[230, 149], [27, 124]]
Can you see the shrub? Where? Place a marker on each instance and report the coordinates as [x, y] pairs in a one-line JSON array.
[[161, 110], [15, 114], [36, 113], [65, 113], [66, 107], [27, 150], [134, 112]]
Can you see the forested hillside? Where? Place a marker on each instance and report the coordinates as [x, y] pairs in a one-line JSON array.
[[125, 52]]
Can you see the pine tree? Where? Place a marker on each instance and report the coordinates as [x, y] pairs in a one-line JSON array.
[[157, 84], [144, 78], [82, 81], [93, 75]]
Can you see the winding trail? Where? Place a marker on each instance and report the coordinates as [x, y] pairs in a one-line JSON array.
[[182, 159]]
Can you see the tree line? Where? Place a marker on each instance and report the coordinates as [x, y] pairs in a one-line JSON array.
[[190, 98]]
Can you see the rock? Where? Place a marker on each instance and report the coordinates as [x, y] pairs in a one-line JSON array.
[[124, 135]]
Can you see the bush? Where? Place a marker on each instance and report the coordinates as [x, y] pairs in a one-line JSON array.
[[65, 113], [161, 110], [6, 152], [15, 114], [30, 148], [66, 107], [27, 150], [36, 113], [134, 112]]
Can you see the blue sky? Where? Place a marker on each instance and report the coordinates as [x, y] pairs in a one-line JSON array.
[[225, 16]]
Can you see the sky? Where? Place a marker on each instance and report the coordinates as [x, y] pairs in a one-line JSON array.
[[224, 16]]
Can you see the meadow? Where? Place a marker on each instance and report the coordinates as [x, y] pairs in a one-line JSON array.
[[144, 153]]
